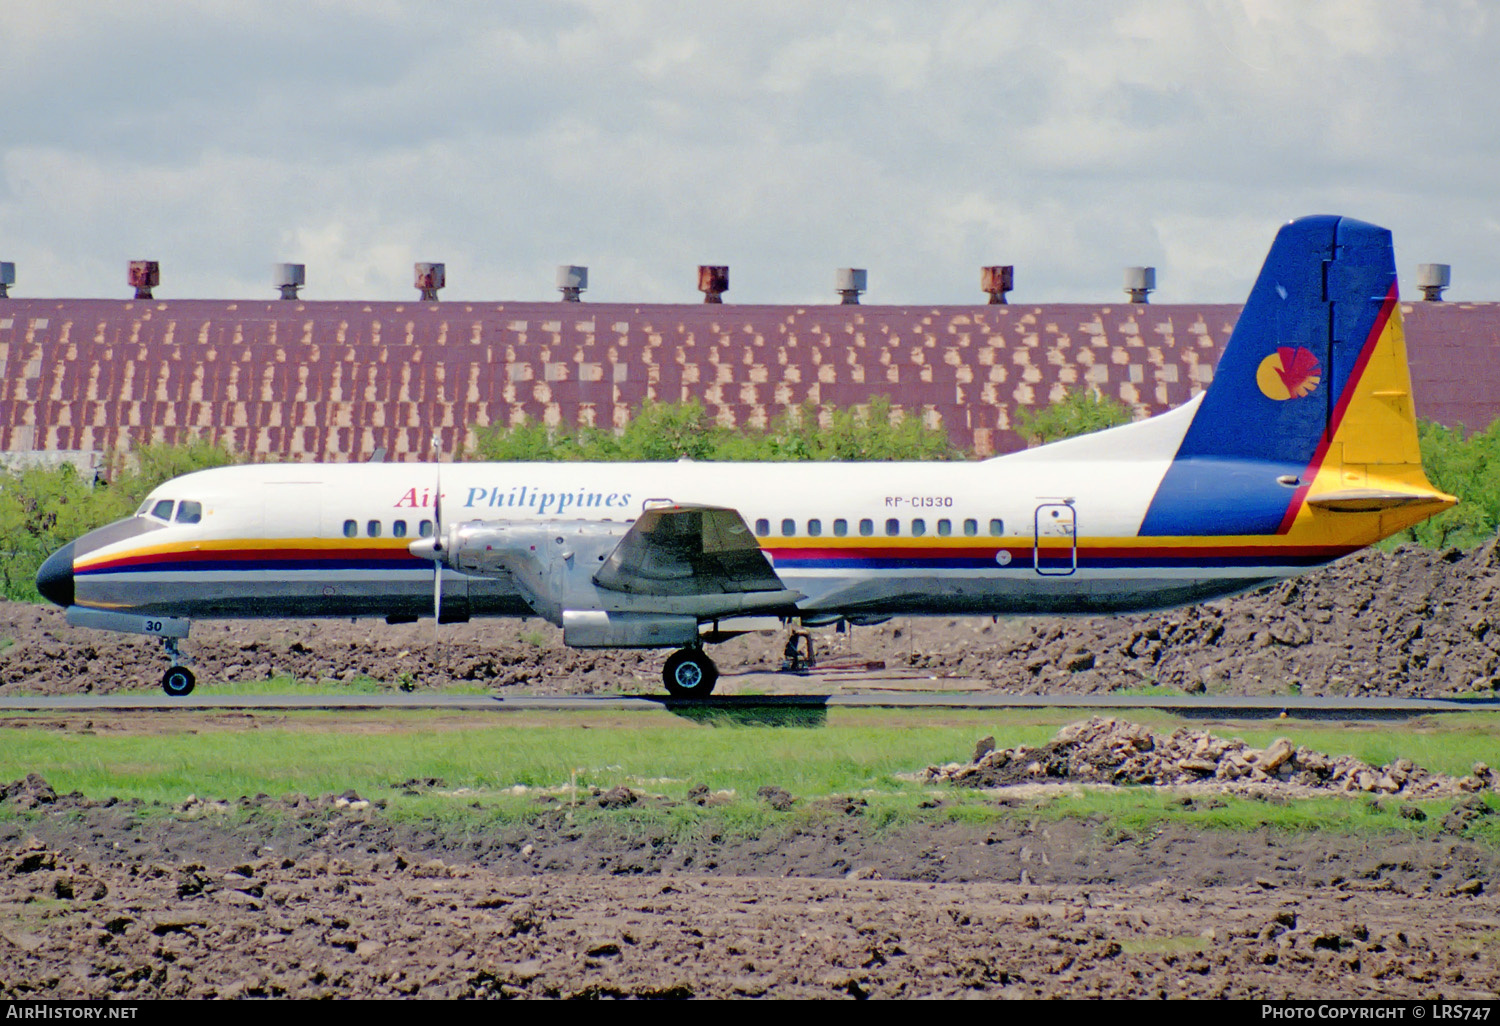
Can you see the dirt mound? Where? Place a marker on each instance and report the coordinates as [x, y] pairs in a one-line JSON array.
[[1104, 750], [1412, 623], [29, 792]]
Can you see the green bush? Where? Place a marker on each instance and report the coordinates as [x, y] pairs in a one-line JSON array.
[[1079, 414], [41, 509], [44, 508], [671, 431], [1468, 467], [658, 431], [872, 433]]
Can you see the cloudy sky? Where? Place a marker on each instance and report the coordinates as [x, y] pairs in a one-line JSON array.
[[920, 140]]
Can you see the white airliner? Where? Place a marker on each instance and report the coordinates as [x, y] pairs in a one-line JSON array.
[[1303, 449]]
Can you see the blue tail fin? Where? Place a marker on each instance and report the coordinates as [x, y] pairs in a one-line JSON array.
[[1311, 323]]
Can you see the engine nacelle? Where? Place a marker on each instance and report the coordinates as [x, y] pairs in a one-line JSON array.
[[653, 596], [598, 628], [548, 562]]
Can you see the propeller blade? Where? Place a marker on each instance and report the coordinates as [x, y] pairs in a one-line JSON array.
[[437, 551], [437, 511]]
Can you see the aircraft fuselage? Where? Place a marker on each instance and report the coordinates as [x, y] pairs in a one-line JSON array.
[[1302, 449], [1005, 536]]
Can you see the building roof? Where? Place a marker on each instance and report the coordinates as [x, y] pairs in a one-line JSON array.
[[338, 380]]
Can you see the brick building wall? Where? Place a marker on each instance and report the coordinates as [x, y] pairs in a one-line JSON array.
[[338, 380]]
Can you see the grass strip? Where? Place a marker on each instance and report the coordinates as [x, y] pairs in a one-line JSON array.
[[495, 769]]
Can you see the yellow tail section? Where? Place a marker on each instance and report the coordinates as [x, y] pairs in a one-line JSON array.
[[1370, 483]]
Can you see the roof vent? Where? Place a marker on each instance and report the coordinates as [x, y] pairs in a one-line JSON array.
[[571, 281], [713, 282], [1140, 282], [997, 281], [1432, 279], [7, 278], [289, 278], [849, 282], [430, 278], [145, 275]]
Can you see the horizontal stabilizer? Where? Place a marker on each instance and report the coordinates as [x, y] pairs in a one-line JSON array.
[[1369, 500]]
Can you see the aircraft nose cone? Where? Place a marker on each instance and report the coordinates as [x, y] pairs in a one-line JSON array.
[[55, 579]]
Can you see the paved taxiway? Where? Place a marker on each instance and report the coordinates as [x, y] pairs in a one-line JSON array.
[[1190, 705]]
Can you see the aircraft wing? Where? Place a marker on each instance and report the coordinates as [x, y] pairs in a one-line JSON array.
[[688, 550]]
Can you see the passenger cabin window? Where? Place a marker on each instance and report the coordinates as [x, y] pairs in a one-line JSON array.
[[893, 527], [398, 529], [866, 528], [351, 529], [840, 528], [424, 529], [945, 528], [814, 528], [762, 527], [918, 528], [997, 527], [373, 528], [163, 510], [971, 528], [788, 528]]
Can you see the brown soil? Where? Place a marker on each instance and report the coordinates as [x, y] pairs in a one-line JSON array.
[[1413, 623], [328, 896]]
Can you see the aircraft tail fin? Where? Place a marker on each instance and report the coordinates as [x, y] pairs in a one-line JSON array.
[[1310, 410]]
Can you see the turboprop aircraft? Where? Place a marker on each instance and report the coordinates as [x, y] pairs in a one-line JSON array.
[[1302, 450]]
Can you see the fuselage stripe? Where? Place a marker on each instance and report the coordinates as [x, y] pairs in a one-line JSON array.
[[1021, 557]]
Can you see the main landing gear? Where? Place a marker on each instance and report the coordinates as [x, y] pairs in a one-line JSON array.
[[178, 682], [690, 673], [797, 657]]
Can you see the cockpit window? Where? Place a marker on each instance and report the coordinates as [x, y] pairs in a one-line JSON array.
[[189, 512], [163, 509]]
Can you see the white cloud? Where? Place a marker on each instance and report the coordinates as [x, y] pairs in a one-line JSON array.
[[646, 136]]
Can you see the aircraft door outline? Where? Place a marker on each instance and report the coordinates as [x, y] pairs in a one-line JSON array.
[[1053, 522]]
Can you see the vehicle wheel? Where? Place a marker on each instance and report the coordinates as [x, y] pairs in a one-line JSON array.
[[690, 673], [178, 682]]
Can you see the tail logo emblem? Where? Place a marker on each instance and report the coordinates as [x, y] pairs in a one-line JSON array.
[[1289, 373]]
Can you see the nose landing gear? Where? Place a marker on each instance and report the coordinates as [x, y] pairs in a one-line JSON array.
[[177, 682]]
